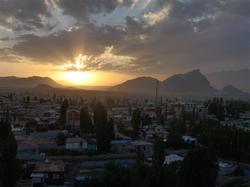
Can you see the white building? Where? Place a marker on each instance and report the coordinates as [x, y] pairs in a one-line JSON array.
[[76, 144], [169, 159]]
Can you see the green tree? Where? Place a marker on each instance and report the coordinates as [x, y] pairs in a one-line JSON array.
[[199, 168], [60, 139], [111, 132], [175, 140], [63, 111], [159, 152], [9, 169], [85, 121], [136, 122], [102, 130]]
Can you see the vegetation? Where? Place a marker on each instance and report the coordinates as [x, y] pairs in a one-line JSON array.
[[159, 152], [199, 168], [86, 125], [64, 107], [104, 133], [9, 170], [226, 142], [60, 139], [136, 122]]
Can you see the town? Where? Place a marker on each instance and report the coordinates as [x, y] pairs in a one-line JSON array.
[[72, 140], [124, 93]]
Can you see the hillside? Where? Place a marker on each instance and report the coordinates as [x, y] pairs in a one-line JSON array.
[[233, 91], [144, 85], [193, 82], [239, 79], [29, 82]]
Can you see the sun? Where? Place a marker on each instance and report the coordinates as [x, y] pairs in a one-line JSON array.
[[77, 77], [74, 72]]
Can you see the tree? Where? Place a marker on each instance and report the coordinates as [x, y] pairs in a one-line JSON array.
[[175, 140], [199, 168], [85, 121], [111, 132], [8, 151], [64, 107], [102, 130], [136, 122], [159, 152], [28, 99], [60, 139], [159, 116]]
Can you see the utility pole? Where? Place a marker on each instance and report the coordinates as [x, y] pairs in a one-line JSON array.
[[156, 93]]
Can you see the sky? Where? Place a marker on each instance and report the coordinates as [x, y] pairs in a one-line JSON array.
[[104, 42]]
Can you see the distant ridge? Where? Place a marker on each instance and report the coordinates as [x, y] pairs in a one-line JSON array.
[[239, 79], [29, 82], [231, 90], [144, 85], [190, 83], [44, 86], [193, 82]]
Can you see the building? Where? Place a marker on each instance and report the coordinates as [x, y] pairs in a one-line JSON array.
[[149, 132], [76, 144], [169, 159], [226, 168], [189, 139], [49, 173], [28, 151], [144, 147], [73, 118], [121, 146]]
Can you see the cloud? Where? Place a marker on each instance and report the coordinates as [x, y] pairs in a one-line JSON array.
[[25, 13], [61, 47], [153, 18], [164, 36], [105, 61], [82, 9]]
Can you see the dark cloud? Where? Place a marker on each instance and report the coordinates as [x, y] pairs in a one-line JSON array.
[[60, 47], [82, 9], [206, 34], [25, 11]]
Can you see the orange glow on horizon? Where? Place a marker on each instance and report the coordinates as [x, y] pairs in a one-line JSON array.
[[67, 78]]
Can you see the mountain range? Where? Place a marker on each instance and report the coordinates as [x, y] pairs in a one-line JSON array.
[[190, 83], [239, 79], [29, 82]]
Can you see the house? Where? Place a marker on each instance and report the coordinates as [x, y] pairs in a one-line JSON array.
[[169, 159], [121, 146], [144, 147], [92, 145], [79, 181], [226, 168], [179, 107], [49, 173], [149, 132], [189, 139], [76, 144], [28, 151], [45, 145], [49, 135], [18, 131], [73, 118]]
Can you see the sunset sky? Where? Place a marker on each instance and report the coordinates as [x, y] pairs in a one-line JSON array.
[[104, 42]]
